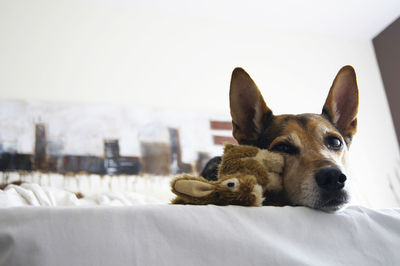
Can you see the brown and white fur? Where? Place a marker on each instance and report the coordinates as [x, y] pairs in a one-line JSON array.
[[314, 145]]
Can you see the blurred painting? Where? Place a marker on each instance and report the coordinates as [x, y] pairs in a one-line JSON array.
[[106, 140]]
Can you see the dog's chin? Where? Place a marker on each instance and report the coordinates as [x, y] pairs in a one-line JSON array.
[[331, 202], [323, 200]]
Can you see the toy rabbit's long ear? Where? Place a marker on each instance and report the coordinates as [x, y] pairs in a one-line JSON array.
[[193, 188]]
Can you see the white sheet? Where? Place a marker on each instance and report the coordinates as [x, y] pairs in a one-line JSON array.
[[198, 235], [31, 194]]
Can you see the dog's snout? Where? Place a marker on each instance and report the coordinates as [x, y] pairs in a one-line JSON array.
[[330, 178]]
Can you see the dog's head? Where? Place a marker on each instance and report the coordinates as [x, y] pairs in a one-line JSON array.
[[314, 145]]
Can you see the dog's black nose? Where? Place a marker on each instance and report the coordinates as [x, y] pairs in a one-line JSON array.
[[330, 178]]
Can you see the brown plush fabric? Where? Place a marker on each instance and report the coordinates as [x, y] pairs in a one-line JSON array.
[[245, 174], [227, 191], [266, 166]]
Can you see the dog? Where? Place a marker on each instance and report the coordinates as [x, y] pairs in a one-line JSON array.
[[314, 146]]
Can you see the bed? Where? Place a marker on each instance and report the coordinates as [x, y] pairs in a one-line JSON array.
[[150, 233]]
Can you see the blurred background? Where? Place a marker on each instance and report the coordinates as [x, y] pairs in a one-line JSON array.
[[144, 57]]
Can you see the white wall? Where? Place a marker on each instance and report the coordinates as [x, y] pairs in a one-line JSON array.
[[112, 52]]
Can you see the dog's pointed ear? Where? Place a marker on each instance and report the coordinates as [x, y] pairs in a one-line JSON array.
[[341, 106], [248, 107]]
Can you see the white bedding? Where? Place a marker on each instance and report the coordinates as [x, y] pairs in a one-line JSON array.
[[156, 234], [31, 194]]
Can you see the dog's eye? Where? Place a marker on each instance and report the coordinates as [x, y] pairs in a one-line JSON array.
[[285, 147], [333, 143]]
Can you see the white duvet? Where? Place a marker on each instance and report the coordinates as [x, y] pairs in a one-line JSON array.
[[31, 194], [161, 234]]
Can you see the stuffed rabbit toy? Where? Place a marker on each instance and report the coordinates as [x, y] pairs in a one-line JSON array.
[[245, 175]]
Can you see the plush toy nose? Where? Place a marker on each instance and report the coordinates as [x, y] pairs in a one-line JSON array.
[[330, 178]]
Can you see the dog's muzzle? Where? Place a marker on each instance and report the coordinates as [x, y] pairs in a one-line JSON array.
[[331, 182], [330, 179]]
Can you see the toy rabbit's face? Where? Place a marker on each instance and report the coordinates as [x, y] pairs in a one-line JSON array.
[[239, 191]]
